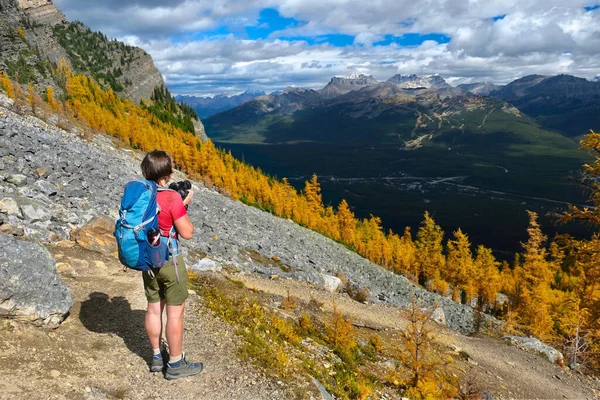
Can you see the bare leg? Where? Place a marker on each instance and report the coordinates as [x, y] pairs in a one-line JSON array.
[[153, 322], [175, 329]]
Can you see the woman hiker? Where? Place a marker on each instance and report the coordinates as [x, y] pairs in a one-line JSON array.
[[167, 287]]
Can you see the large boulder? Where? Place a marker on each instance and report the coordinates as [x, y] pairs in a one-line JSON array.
[[536, 346], [30, 290], [97, 235], [331, 283]]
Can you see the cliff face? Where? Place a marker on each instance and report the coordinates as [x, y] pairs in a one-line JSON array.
[[34, 34], [343, 85], [42, 11], [142, 76]]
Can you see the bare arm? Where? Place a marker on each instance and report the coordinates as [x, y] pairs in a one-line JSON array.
[[184, 227]]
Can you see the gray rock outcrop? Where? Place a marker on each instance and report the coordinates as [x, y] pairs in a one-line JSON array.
[[536, 346], [42, 11], [30, 290]]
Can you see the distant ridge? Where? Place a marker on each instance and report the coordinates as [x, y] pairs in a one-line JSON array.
[[342, 85], [206, 106], [418, 81], [480, 88]]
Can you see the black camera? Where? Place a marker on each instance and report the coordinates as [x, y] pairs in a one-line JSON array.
[[182, 187]]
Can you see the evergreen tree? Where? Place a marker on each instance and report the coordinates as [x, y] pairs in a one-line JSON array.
[[459, 270], [429, 250]]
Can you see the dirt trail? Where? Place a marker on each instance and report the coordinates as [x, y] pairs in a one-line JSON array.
[[506, 371], [101, 350]]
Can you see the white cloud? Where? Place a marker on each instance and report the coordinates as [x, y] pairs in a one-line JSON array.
[[535, 36]]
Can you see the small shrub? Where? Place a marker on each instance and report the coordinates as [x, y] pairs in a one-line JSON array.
[[7, 85], [424, 374], [376, 342], [285, 329], [341, 277], [236, 283], [469, 387], [289, 302], [314, 302], [21, 33], [339, 333], [306, 325], [208, 183], [364, 389], [119, 393]]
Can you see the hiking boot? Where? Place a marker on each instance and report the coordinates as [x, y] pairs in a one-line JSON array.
[[159, 361], [182, 369]]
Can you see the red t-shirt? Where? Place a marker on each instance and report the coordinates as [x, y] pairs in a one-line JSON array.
[[171, 209]]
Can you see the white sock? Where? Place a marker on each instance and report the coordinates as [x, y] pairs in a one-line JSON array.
[[156, 351], [174, 359]]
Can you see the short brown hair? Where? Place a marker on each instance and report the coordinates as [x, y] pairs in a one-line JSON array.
[[156, 165]]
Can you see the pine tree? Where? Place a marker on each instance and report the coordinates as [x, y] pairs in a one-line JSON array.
[[487, 278], [346, 222], [425, 375], [459, 269], [312, 193], [31, 97], [535, 275], [50, 98], [429, 250]]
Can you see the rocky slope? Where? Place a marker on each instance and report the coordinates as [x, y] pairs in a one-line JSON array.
[[42, 11], [60, 182], [53, 182], [31, 37], [479, 88], [564, 103]]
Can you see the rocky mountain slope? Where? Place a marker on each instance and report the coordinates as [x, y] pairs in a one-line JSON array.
[[418, 82], [53, 182], [342, 85], [479, 88], [562, 103], [34, 35], [58, 182]]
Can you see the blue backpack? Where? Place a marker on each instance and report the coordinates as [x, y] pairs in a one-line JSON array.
[[138, 214]]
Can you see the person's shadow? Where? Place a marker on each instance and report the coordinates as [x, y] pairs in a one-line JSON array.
[[101, 314]]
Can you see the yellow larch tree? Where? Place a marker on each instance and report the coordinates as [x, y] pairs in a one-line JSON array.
[[459, 268], [6, 84], [346, 222], [429, 250]]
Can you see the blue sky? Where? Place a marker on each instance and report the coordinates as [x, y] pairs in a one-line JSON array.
[[227, 46]]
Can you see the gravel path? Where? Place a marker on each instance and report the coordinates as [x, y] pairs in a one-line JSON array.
[[101, 350]]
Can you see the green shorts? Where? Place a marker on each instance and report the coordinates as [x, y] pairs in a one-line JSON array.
[[164, 286]]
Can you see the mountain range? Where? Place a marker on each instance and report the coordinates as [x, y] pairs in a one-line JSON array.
[[478, 154], [206, 106]]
